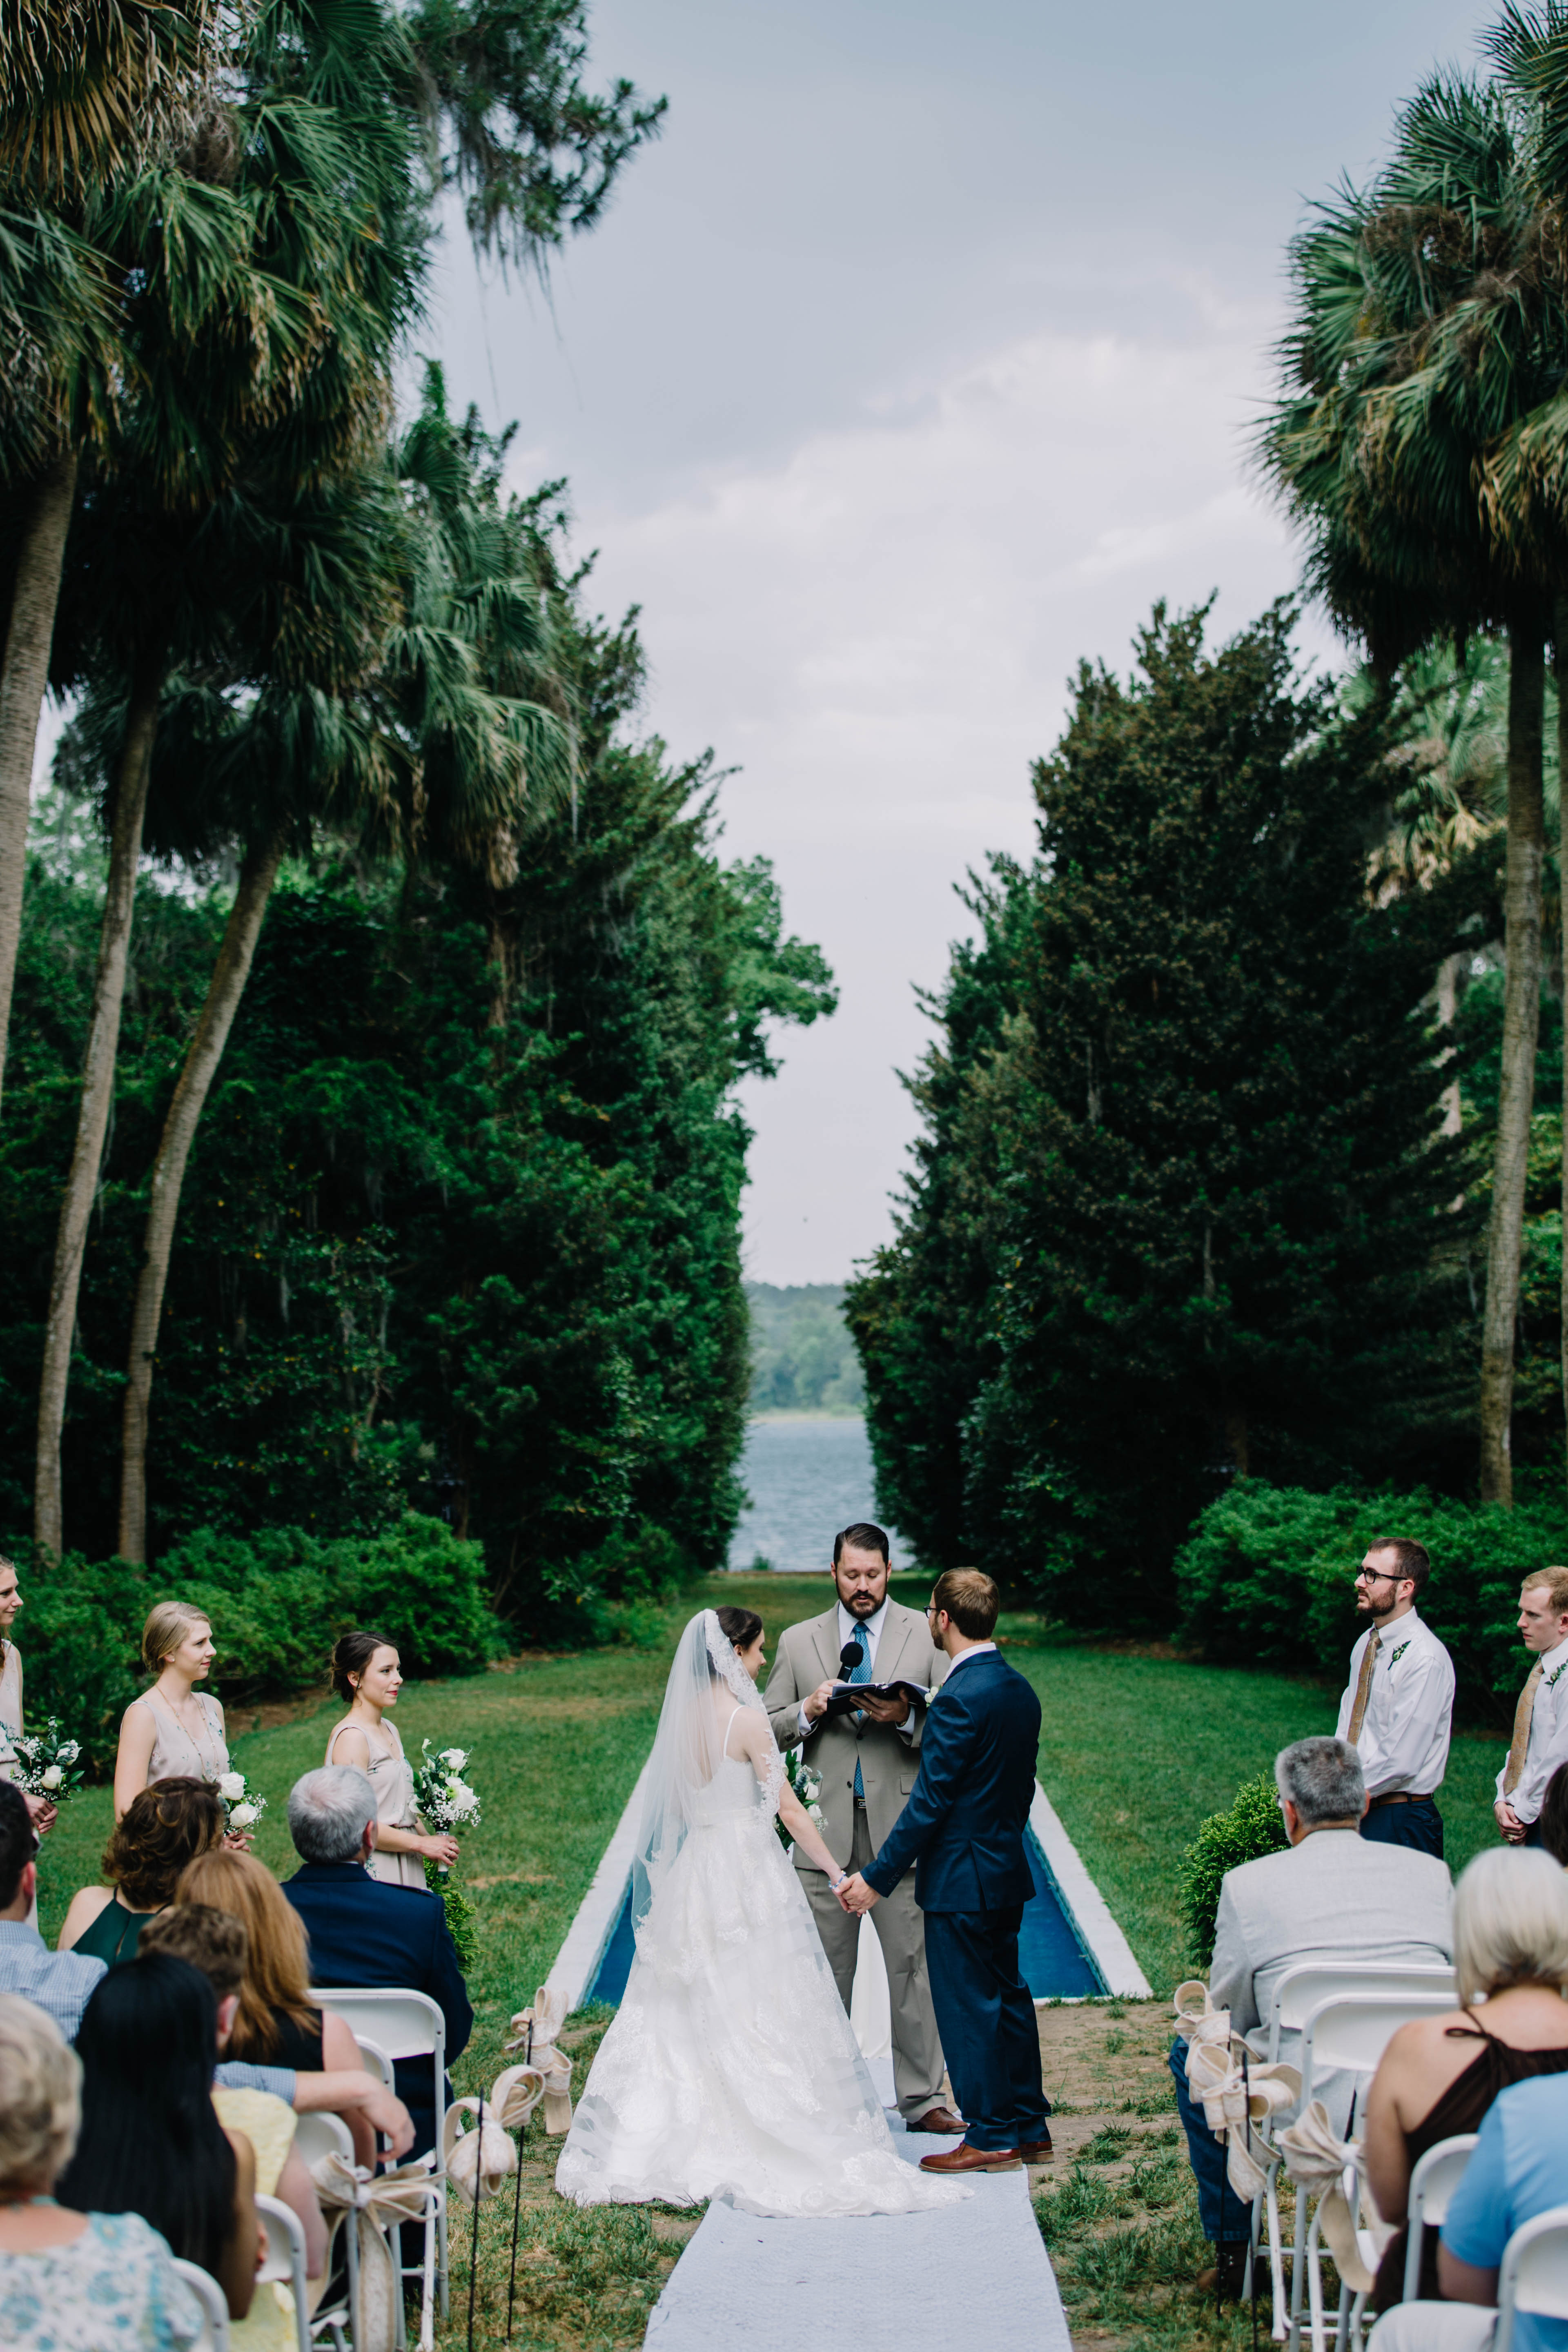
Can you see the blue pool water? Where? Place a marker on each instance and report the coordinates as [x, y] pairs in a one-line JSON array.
[[1054, 1962]]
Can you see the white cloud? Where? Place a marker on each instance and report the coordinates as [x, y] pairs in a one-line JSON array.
[[879, 630]]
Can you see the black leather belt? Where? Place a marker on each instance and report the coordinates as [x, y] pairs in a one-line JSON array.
[[1398, 1797]]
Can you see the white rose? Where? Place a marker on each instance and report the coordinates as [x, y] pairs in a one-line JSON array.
[[242, 1817], [52, 1778], [464, 1801], [814, 1813], [231, 1787], [69, 1752], [455, 1757]]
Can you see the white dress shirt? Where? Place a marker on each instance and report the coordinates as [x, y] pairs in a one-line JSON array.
[[1404, 1743], [1548, 1735], [977, 1652], [868, 1630]]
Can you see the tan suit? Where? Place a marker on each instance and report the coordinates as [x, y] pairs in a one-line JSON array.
[[807, 1654]]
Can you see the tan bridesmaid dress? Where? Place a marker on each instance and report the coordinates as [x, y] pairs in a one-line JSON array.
[[392, 1777]]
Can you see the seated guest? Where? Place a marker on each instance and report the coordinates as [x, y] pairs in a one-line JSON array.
[[364, 1932], [61, 1982], [150, 2140], [69, 2278], [1440, 2076], [164, 1827], [1516, 2170], [1332, 1896], [1552, 1819], [216, 1942]]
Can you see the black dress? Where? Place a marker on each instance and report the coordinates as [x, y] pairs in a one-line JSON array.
[[1463, 2107], [299, 2046]]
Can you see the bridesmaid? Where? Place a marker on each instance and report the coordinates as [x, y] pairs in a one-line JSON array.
[[173, 1731], [43, 1812], [366, 1673]]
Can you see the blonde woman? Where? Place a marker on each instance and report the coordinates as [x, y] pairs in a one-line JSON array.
[[365, 1672], [1440, 2076], [174, 1731]]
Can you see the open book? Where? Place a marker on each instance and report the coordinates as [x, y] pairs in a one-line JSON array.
[[849, 1696]]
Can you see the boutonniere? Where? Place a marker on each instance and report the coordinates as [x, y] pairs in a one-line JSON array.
[[1396, 1655], [1552, 1679], [934, 1690]]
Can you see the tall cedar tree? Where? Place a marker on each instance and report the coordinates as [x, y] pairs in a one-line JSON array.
[[1182, 1210]]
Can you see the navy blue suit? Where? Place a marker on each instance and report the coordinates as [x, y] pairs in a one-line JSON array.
[[963, 1828], [364, 1933]]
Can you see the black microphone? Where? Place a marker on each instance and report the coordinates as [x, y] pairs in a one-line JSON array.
[[849, 1657]]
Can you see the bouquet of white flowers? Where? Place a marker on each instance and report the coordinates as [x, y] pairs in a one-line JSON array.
[[442, 1797], [241, 1803], [44, 1763], [807, 1787]]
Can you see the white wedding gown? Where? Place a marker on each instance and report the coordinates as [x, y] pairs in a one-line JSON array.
[[731, 2069]]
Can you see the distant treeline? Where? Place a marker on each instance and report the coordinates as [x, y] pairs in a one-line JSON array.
[[803, 1359]]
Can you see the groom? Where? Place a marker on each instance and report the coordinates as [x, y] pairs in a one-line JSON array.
[[963, 1829], [866, 1761]]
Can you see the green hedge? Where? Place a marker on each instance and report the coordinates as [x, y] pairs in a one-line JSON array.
[[1267, 1577], [277, 1602], [1252, 1825]]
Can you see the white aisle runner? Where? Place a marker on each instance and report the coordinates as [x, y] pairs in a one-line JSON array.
[[975, 2273]]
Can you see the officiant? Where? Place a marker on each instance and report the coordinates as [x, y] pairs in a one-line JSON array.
[[866, 1760]]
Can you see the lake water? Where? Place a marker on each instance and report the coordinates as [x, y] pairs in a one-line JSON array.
[[807, 1478]]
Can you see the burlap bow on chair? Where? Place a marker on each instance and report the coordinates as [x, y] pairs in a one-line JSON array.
[[1317, 2162], [1240, 2094], [533, 2032], [485, 2155], [375, 2205]]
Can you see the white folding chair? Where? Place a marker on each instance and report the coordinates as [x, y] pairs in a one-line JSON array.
[[284, 2263], [213, 2305], [375, 2061], [1534, 2273], [318, 2135], [1298, 1993], [1347, 2034], [1432, 2185], [403, 2024]]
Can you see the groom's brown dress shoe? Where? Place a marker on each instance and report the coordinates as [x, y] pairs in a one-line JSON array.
[[939, 2119], [1036, 2151], [973, 2159]]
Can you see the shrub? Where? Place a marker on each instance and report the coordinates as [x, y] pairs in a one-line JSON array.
[[1251, 1826], [278, 1600], [1267, 1576]]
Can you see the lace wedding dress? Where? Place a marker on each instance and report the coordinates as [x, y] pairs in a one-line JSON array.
[[731, 2069]]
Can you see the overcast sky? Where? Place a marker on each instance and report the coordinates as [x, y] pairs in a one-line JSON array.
[[912, 364]]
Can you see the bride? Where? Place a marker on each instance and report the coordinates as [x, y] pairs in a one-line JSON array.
[[731, 2069]]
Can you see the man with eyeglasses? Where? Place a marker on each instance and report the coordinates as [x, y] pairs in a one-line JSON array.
[[1398, 1709]]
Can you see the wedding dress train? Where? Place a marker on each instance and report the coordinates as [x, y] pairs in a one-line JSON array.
[[731, 2069]]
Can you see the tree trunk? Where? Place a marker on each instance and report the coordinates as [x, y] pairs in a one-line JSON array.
[[97, 1097], [23, 677], [230, 973], [1521, 1020]]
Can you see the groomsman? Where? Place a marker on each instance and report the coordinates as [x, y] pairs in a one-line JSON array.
[[867, 1761], [1398, 1704], [1539, 1741]]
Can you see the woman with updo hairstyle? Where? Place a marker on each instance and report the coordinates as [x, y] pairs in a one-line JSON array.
[[71, 2281], [165, 1828], [173, 1730], [365, 1672]]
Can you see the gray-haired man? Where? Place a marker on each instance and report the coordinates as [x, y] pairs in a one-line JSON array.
[[366, 1932], [1330, 1895]]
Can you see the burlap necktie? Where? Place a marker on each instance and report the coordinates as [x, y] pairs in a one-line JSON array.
[[1363, 1689], [1519, 1746]]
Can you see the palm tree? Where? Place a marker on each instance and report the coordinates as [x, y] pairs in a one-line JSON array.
[[89, 89], [1418, 345]]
